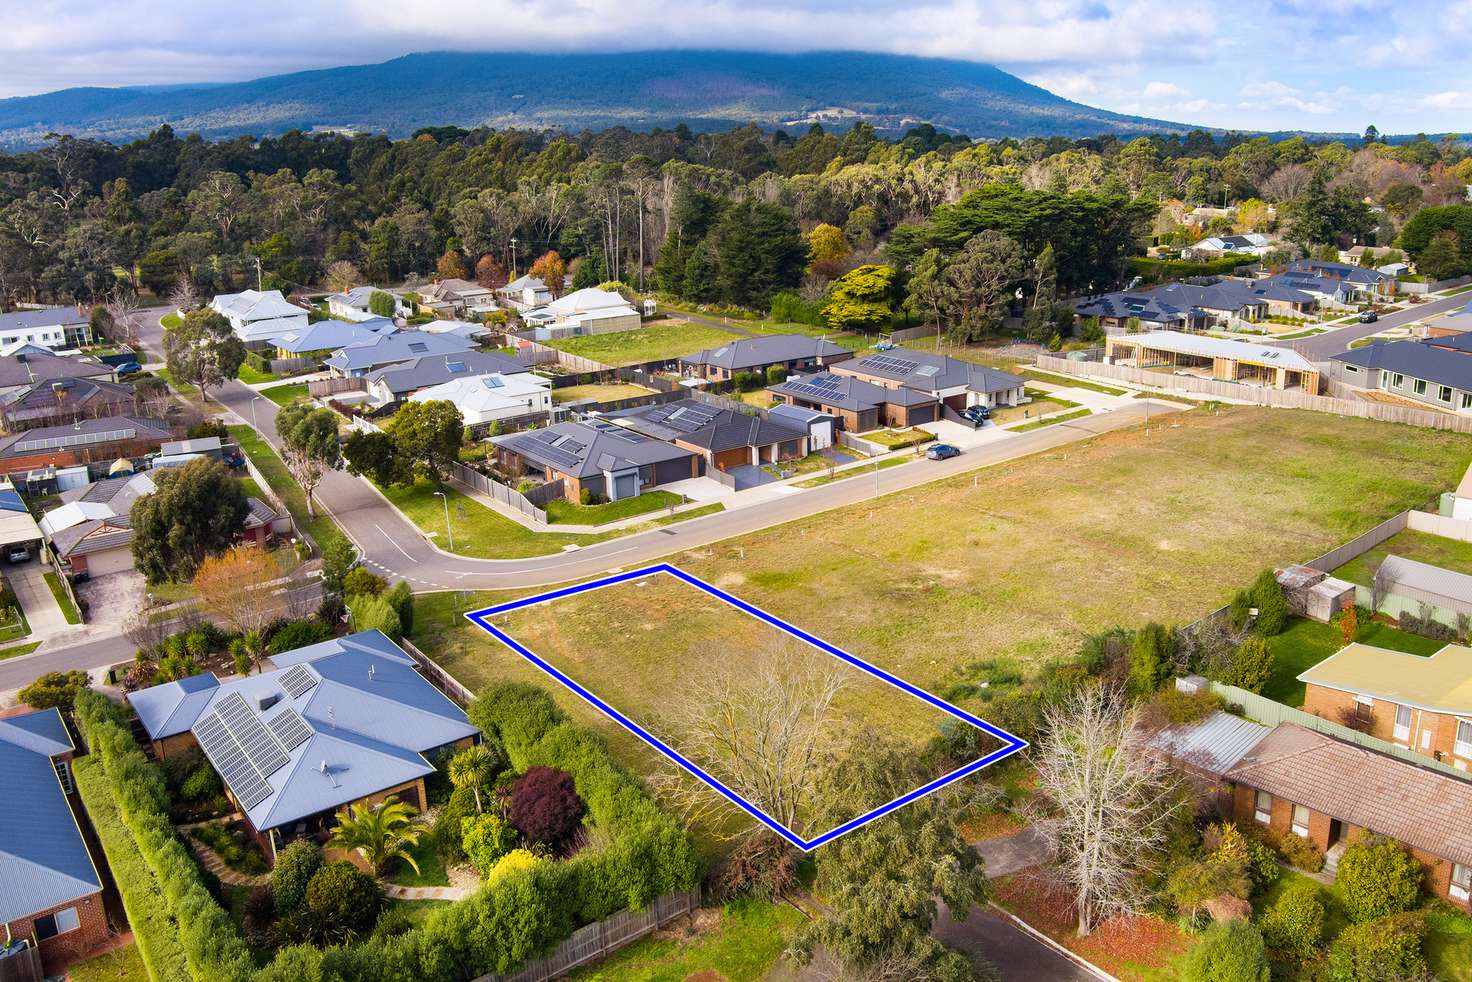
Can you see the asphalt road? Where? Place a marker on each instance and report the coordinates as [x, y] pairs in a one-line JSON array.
[[1019, 956], [1321, 346]]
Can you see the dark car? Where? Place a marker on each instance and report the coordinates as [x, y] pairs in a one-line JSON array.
[[977, 414], [129, 368], [1368, 317], [942, 451]]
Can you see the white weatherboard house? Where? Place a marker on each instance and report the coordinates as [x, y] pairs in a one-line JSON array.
[[257, 316], [354, 304], [485, 398], [586, 311], [52, 328]]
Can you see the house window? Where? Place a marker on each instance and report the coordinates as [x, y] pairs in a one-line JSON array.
[[1464, 739], [1420, 387], [64, 775], [1402, 722], [1300, 821], [1398, 380], [1461, 887], [1352, 369], [1364, 709], [1467, 400], [1444, 393], [1263, 808], [61, 922]]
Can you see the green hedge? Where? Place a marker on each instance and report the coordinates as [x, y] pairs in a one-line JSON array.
[[1158, 270], [258, 361], [521, 915], [153, 930]]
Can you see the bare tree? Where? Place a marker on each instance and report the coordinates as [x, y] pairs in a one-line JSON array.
[[1379, 588], [124, 306], [1112, 799], [185, 295], [765, 731], [342, 276], [147, 630]]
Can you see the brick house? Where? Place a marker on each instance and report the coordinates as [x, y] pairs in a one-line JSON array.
[[723, 438], [50, 889], [1422, 704], [858, 405], [1328, 791], [611, 462], [347, 721], [86, 441], [794, 353], [958, 384]]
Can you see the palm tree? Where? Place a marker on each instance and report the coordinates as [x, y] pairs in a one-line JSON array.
[[379, 834], [471, 768]]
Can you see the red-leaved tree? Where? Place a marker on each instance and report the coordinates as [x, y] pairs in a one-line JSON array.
[[545, 807]]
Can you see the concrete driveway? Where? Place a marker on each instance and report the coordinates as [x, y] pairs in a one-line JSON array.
[[36, 599], [112, 599]]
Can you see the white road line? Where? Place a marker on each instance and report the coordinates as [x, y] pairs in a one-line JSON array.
[[393, 543]]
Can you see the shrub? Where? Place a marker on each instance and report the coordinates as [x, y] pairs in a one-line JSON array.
[[1376, 878], [1151, 658], [1298, 851], [585, 496], [257, 915], [546, 808], [776, 374], [485, 839], [514, 861], [361, 581], [449, 831], [295, 867], [1228, 952], [1294, 924], [1170, 707], [201, 784], [1386, 950], [298, 634], [1272, 606], [342, 902], [402, 599], [1252, 666], [763, 865], [746, 381], [55, 690], [368, 613]]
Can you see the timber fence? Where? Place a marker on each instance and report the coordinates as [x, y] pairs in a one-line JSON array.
[[438, 676], [474, 480]]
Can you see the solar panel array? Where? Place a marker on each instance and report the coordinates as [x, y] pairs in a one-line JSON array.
[[889, 363], [248, 730], [288, 727], [296, 680], [558, 450], [819, 386], [76, 440], [685, 419], [246, 783]]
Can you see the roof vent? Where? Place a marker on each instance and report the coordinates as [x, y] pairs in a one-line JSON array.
[[371, 670], [327, 772], [266, 700]]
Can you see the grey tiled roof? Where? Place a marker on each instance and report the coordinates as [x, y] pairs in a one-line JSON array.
[[1391, 797], [423, 372], [925, 372], [45, 317], [584, 449], [1418, 359], [386, 349], [27, 369], [706, 426], [770, 349], [834, 391]]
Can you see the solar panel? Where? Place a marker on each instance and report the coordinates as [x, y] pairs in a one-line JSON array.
[[418, 347], [297, 680], [288, 727], [246, 783], [264, 753], [888, 363]]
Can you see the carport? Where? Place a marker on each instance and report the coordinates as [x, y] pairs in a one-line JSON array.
[[17, 527]]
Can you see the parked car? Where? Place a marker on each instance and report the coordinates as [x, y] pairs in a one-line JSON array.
[[942, 451], [977, 414], [18, 554], [1368, 317], [129, 368]]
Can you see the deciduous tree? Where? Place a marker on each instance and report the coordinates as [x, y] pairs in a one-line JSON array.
[[236, 587], [342, 276], [551, 270], [309, 444]]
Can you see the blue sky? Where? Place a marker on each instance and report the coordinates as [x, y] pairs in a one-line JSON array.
[[1327, 65]]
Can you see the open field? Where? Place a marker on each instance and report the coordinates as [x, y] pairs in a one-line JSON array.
[[600, 392], [1410, 544], [659, 342], [741, 945], [980, 354]]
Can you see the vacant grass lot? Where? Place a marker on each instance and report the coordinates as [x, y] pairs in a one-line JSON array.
[[658, 342], [607, 392], [1410, 544], [741, 946], [282, 394]]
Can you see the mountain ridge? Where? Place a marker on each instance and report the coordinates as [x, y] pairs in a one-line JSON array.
[[704, 89]]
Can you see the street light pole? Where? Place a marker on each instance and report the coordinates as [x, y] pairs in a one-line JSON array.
[[255, 423], [449, 532]]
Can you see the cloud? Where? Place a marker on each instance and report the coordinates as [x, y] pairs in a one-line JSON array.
[[1276, 95], [1163, 90], [1451, 99]]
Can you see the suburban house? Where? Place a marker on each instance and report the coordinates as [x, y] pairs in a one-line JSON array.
[[354, 304], [473, 333], [346, 721], [1196, 307], [1436, 372], [257, 316], [177, 453], [454, 297], [1119, 311], [87, 441], [1250, 244], [819, 426], [91, 530], [1423, 704], [957, 384], [1338, 283], [65, 400], [326, 336], [50, 889], [401, 380], [1328, 791], [586, 311], [525, 293], [724, 438], [30, 367], [858, 405], [1173, 353], [17, 527], [49, 327], [793, 353], [1354, 254], [483, 399], [611, 462], [354, 360]]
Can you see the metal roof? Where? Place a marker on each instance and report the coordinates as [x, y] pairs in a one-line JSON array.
[[709, 427], [769, 349], [1214, 744], [584, 449], [829, 389], [1441, 683], [1427, 360], [431, 370], [386, 349], [1202, 346]]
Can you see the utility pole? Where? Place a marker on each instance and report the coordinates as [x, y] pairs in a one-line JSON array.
[[449, 532], [258, 272], [513, 257]]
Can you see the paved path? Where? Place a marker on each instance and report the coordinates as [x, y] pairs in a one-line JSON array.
[[396, 892], [216, 865], [1021, 850]]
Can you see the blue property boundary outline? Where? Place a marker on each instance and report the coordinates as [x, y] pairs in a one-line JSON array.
[[1010, 744]]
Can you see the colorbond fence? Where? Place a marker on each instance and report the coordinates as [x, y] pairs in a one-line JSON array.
[[512, 498], [1361, 544], [1259, 395]]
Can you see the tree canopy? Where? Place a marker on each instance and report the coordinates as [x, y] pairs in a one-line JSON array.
[[198, 510]]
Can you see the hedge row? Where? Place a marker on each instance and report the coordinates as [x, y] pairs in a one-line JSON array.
[[516, 917], [213, 948], [1155, 270], [153, 929]]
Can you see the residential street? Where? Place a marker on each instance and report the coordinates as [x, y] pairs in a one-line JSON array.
[[1321, 346]]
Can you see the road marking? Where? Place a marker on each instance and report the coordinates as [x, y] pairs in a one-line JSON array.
[[394, 543]]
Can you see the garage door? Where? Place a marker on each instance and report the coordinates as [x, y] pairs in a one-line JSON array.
[[735, 457], [922, 414], [109, 561]]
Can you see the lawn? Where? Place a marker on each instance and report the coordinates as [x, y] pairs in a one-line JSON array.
[[119, 965], [564, 512], [431, 867], [1033, 375], [68, 609], [251, 375], [1306, 643], [171, 319], [605, 392], [322, 528], [813, 463], [879, 465], [14, 631], [659, 342], [282, 394], [1041, 404], [743, 945], [1421, 546], [979, 354], [898, 439], [1049, 421], [16, 651], [185, 389]]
